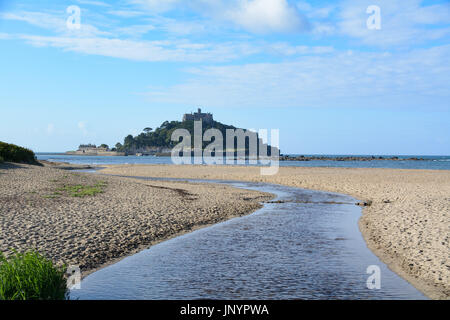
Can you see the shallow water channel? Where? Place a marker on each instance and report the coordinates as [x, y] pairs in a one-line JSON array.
[[308, 246]]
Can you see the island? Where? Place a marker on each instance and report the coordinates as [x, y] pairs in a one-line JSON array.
[[159, 142], [93, 150]]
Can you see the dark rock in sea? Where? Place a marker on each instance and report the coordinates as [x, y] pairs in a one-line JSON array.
[[346, 158]]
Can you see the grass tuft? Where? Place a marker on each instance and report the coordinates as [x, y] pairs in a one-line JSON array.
[[82, 191], [30, 276]]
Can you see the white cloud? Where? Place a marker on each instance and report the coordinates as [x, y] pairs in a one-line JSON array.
[[53, 22], [50, 128], [135, 30], [94, 3], [169, 50], [341, 79], [180, 50], [156, 6], [319, 18], [39, 19], [259, 16], [402, 22], [91, 40], [263, 16], [315, 12], [82, 125], [289, 50], [181, 27], [126, 13]]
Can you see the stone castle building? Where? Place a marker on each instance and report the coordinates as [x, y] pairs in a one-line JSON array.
[[91, 148], [205, 117]]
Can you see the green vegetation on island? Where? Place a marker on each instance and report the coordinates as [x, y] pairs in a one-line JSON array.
[[30, 276], [159, 141], [162, 136], [12, 153]]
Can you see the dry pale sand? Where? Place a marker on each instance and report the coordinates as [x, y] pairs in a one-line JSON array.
[[96, 230], [407, 225]]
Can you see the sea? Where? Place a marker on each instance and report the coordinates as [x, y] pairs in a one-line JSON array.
[[428, 162]]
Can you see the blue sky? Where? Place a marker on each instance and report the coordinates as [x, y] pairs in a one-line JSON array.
[[312, 69]]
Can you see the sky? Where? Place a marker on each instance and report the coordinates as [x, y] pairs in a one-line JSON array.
[[335, 77]]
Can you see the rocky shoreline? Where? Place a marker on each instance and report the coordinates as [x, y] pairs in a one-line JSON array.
[[346, 158]]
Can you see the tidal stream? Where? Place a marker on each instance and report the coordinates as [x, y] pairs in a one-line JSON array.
[[305, 246]]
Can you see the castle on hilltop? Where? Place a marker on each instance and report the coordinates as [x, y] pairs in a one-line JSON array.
[[93, 150], [205, 117]]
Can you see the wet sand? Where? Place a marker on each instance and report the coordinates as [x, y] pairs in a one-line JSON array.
[[407, 225], [37, 212]]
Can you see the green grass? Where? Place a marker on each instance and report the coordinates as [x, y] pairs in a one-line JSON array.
[[81, 190], [13, 153], [30, 276], [52, 196], [77, 190], [1, 159]]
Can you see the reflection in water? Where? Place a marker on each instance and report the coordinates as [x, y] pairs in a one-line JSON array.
[[290, 250]]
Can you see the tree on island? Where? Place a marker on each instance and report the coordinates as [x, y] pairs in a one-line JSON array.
[[89, 145], [128, 142], [161, 136]]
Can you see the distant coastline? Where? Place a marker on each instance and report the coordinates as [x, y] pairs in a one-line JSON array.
[[315, 160], [349, 158], [282, 157], [100, 153], [93, 150]]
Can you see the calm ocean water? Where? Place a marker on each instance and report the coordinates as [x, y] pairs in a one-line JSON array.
[[431, 162]]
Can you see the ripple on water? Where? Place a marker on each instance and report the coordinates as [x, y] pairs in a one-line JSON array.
[[289, 250]]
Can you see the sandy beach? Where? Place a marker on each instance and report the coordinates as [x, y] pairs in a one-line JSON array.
[[407, 225], [39, 211]]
